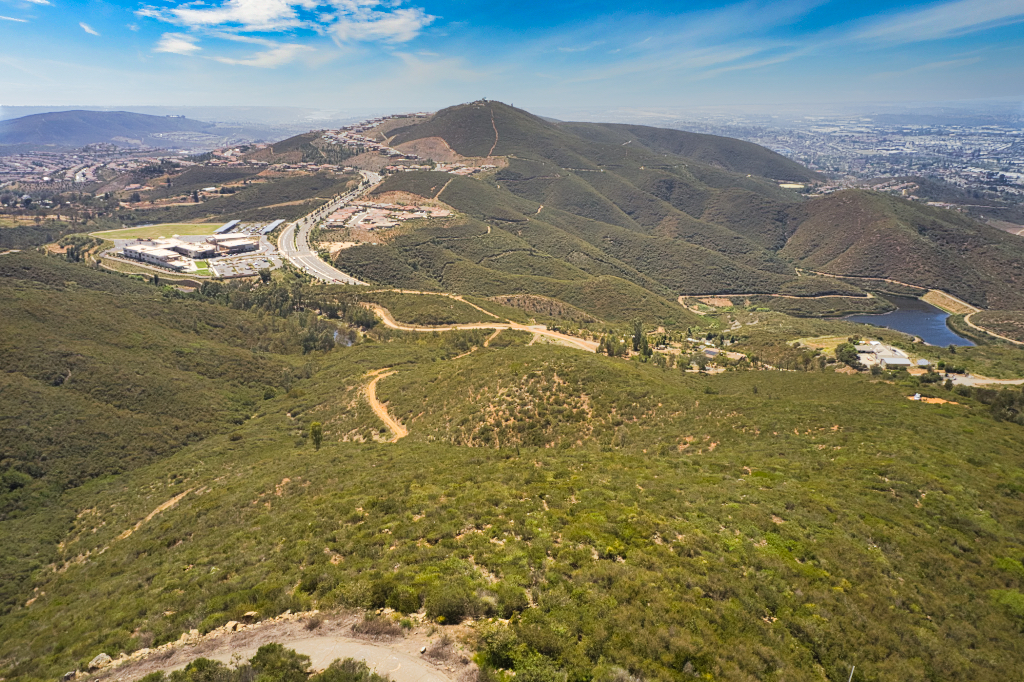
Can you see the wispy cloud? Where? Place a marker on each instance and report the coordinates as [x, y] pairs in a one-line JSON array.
[[945, 20], [276, 56], [581, 48], [20, 21], [177, 43], [88, 29], [40, 2], [930, 66], [345, 20]]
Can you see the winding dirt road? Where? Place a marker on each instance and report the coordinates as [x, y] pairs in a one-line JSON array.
[[370, 391], [967, 319], [564, 339]]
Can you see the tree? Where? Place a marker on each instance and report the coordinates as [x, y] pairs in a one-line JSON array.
[[195, 196], [316, 432], [264, 274], [640, 343]]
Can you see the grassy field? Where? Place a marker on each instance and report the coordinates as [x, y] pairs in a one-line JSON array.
[[162, 230]]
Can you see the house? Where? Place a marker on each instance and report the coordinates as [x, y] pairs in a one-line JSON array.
[[711, 353]]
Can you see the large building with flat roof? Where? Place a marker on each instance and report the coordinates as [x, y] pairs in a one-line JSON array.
[[156, 255]]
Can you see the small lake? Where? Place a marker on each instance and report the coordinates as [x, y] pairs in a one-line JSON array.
[[914, 316]]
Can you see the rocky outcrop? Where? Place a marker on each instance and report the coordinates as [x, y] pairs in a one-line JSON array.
[[101, 661]]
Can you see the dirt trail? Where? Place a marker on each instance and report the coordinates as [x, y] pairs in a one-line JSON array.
[[378, 408], [873, 279], [565, 339], [442, 189], [487, 341], [967, 319], [495, 133], [149, 517]]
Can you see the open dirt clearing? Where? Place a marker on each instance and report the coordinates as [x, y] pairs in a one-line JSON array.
[[399, 658]]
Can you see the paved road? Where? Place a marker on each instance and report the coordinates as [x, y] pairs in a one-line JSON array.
[[294, 240]]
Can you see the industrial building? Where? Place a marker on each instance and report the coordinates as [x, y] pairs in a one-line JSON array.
[[157, 255], [239, 245], [177, 254]]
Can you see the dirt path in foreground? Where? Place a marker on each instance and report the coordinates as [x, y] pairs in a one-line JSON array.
[[398, 658], [378, 408]]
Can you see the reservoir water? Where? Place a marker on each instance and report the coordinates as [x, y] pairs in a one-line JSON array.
[[914, 316]]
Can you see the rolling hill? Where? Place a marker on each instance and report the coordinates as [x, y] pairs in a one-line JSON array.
[[870, 234], [583, 517], [678, 214], [69, 129], [174, 461]]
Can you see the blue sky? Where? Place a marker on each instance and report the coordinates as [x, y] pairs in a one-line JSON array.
[[544, 56]]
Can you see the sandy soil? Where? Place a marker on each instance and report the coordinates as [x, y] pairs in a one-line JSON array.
[[400, 657], [370, 392], [564, 339], [716, 302]]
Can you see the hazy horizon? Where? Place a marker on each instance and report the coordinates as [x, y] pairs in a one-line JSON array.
[[374, 56]]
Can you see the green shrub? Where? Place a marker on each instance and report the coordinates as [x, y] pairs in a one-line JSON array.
[[511, 599], [449, 602], [274, 663]]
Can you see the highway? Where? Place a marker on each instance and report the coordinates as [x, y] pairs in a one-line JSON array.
[[294, 240]]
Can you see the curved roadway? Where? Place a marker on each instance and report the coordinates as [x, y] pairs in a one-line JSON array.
[[294, 240], [565, 339]]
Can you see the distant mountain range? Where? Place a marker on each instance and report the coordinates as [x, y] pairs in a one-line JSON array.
[[79, 128], [75, 129]]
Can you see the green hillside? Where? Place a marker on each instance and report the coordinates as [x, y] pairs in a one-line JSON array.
[[270, 199], [715, 495], [725, 152], [869, 234], [620, 515], [103, 374], [685, 214]]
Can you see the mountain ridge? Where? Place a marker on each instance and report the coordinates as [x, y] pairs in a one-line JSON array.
[[82, 127]]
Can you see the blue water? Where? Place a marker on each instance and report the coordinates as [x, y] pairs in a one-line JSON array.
[[914, 316]]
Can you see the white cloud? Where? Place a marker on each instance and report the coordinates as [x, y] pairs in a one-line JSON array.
[[20, 21], [247, 15], [944, 20], [364, 24], [177, 43], [276, 56], [345, 20], [88, 29], [40, 2]]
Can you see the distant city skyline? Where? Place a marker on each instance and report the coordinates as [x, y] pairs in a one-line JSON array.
[[363, 55]]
